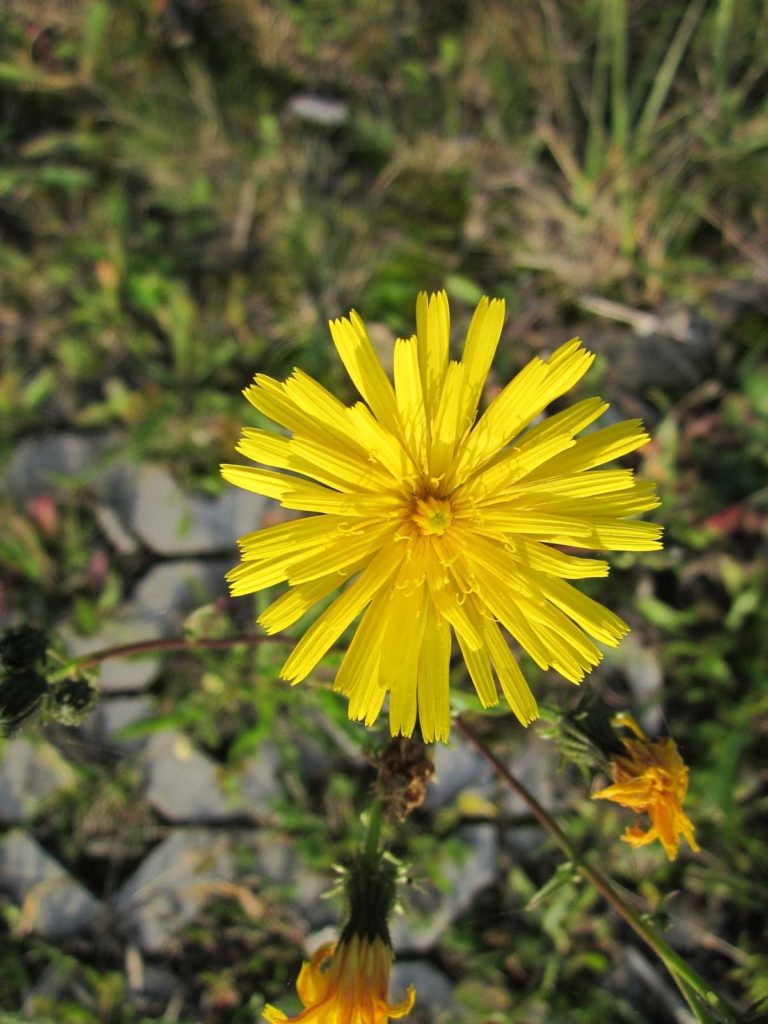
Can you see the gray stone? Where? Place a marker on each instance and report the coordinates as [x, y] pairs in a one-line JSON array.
[[39, 465], [274, 856], [172, 884], [315, 762], [133, 673], [161, 602], [30, 775], [168, 592], [183, 783], [158, 983], [110, 716], [54, 905], [259, 781], [522, 841], [434, 992], [430, 908], [319, 110], [121, 539], [276, 860], [143, 502], [458, 768], [642, 667], [534, 766], [171, 522]]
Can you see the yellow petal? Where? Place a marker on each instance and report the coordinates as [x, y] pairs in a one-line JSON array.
[[594, 618], [480, 672], [260, 481], [479, 349], [513, 685], [432, 331], [337, 616], [433, 684], [364, 368]]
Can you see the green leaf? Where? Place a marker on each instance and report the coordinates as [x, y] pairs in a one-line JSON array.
[[565, 874]]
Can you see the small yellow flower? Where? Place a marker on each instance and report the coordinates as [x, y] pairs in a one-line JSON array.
[[346, 983], [436, 520], [652, 777]]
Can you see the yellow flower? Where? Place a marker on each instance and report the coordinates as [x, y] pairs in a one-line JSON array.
[[346, 983], [436, 520], [652, 777]]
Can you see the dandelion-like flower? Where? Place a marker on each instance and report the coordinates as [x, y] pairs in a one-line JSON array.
[[346, 982], [436, 520], [651, 778]]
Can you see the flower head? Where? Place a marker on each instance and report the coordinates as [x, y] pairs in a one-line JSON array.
[[651, 778], [436, 520], [347, 982]]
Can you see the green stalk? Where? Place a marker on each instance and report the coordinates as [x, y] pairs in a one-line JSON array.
[[695, 990], [723, 21], [594, 158], [620, 126], [373, 833], [668, 69]]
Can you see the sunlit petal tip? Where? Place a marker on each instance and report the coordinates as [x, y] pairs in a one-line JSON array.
[[404, 1007], [273, 1015]]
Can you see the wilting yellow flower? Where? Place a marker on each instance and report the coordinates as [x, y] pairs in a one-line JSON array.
[[346, 983], [435, 519], [652, 777]]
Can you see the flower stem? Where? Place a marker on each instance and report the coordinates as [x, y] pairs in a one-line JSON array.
[[688, 981], [157, 645], [373, 834]]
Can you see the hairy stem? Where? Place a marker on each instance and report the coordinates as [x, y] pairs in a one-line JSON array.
[[157, 645]]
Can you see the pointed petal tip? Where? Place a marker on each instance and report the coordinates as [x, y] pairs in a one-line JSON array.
[[397, 1010]]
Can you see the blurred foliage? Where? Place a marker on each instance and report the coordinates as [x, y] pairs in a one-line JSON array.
[[189, 189]]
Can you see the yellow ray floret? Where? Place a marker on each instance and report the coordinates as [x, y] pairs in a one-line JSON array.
[[434, 521], [346, 983], [651, 777]]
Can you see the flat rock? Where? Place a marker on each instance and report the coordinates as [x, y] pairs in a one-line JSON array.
[[121, 539], [170, 591], [642, 667], [458, 768], [535, 766], [274, 856], [183, 783], [41, 465], [172, 884], [171, 522], [30, 775], [141, 503], [431, 908], [164, 597], [133, 673], [258, 781], [434, 992], [276, 860], [54, 904], [110, 716], [320, 110]]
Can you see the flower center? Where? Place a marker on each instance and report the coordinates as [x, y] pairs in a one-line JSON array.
[[432, 514], [660, 780]]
